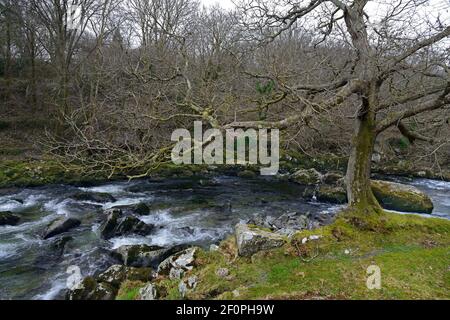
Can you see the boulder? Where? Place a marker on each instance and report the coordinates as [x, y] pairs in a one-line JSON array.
[[143, 256], [118, 274], [90, 289], [247, 174], [142, 209], [117, 225], [181, 262], [399, 197], [332, 194], [60, 226], [148, 293], [8, 219], [310, 177], [93, 197], [285, 224], [332, 178], [251, 240]]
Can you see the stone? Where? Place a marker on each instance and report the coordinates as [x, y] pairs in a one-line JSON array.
[[61, 226], [402, 198], [9, 219], [142, 209], [148, 293], [90, 289], [118, 274], [332, 178], [251, 240], [222, 272], [247, 174], [117, 225], [310, 177], [142, 256], [332, 194], [182, 289], [214, 248], [93, 197], [182, 260]]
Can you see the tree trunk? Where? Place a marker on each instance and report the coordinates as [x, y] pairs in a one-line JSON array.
[[359, 191]]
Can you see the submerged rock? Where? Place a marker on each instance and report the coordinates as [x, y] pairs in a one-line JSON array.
[[247, 174], [399, 197], [61, 226], [117, 225], [9, 219], [251, 240], [140, 256], [93, 197], [310, 177]]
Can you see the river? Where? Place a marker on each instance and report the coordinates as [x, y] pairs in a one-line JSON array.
[[185, 211]]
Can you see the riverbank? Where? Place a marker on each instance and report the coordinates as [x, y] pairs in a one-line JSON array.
[[412, 253], [33, 173]]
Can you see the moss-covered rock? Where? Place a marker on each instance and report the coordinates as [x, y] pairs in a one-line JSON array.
[[251, 239], [399, 197], [118, 274], [90, 289], [60, 226], [332, 194], [142, 256], [310, 177]]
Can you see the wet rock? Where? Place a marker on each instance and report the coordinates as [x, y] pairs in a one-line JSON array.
[[142, 209], [59, 245], [90, 289], [251, 240], [332, 178], [9, 219], [117, 225], [183, 261], [332, 194], [399, 197], [148, 293], [118, 274], [142, 256], [93, 197], [61, 226], [247, 174], [310, 177]]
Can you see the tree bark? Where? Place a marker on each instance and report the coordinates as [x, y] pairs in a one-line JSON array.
[[359, 191]]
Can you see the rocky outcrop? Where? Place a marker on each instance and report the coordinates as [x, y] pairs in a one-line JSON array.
[[117, 225], [91, 289], [93, 197], [142, 256], [399, 197], [310, 177], [176, 265], [148, 293], [60, 226], [285, 224], [251, 240], [9, 219], [118, 274], [332, 194]]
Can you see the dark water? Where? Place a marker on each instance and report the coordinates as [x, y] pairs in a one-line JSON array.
[[198, 212]]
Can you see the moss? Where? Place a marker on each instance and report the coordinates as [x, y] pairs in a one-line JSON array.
[[129, 290], [411, 251]]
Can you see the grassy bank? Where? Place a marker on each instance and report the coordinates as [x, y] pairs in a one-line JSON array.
[[412, 252]]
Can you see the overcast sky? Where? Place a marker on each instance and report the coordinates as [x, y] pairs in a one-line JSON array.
[[435, 6]]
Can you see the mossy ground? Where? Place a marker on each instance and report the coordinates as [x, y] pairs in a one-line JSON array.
[[413, 254]]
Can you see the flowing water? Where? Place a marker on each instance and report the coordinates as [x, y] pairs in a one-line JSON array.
[[185, 211]]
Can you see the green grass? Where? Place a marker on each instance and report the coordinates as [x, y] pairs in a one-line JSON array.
[[412, 252]]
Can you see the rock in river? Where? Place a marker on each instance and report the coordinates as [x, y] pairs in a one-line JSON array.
[[60, 226], [117, 225], [90, 289], [251, 240], [8, 219], [93, 197], [399, 197], [309, 177]]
